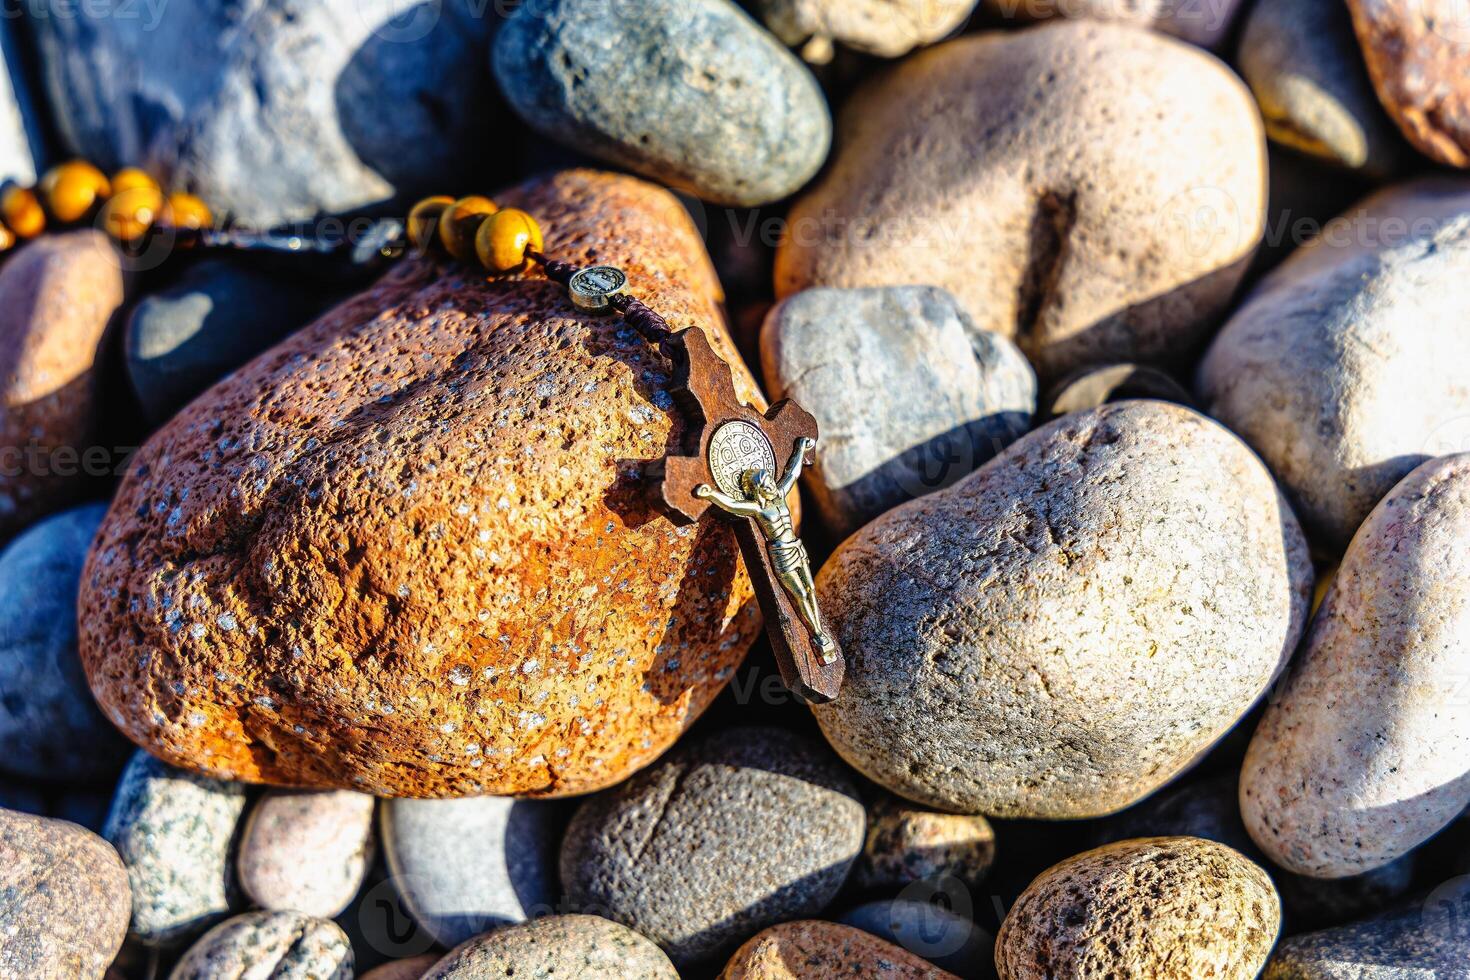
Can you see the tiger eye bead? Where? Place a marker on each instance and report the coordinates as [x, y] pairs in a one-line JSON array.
[[460, 222], [128, 216], [21, 210], [423, 221], [72, 189], [503, 240], [186, 211]]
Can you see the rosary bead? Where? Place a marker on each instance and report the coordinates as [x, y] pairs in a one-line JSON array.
[[72, 189], [21, 210], [459, 223], [502, 241], [128, 216], [423, 221], [7, 239], [186, 211], [130, 177]]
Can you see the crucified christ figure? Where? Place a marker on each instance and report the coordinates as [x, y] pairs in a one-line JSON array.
[[765, 503]]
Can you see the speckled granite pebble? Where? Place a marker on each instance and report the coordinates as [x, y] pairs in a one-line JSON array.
[[572, 946], [1364, 755], [689, 92], [723, 837], [1069, 627], [906, 843], [306, 851], [63, 900], [268, 946], [174, 831], [50, 727], [811, 950], [408, 551], [908, 393], [1165, 908], [464, 867]]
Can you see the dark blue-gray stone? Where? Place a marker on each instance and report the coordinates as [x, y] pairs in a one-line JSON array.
[[50, 725], [175, 832], [217, 316], [463, 867], [277, 110], [949, 941], [1424, 940], [689, 92]]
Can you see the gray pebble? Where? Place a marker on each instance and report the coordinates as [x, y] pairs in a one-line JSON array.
[[268, 946], [63, 901], [949, 941], [217, 316], [573, 946], [306, 851], [720, 839], [274, 112], [907, 843], [909, 395], [690, 92], [463, 867], [174, 830], [1302, 61], [50, 726]]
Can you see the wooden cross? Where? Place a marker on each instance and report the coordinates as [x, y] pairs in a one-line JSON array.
[[705, 394]]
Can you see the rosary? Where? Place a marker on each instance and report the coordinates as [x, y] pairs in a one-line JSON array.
[[739, 461]]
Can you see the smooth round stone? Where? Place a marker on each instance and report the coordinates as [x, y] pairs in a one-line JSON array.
[[217, 316], [917, 399], [1210, 808], [1362, 758], [1427, 940], [555, 946], [811, 950], [1166, 908], [1205, 24], [410, 549], [57, 296], [1151, 580], [1418, 55], [306, 851], [906, 843], [886, 28], [1092, 191], [64, 903], [1092, 387], [464, 867], [50, 727], [20, 143], [949, 941], [409, 969], [749, 827], [689, 92], [1336, 369], [1301, 60], [276, 116], [268, 946], [174, 831]]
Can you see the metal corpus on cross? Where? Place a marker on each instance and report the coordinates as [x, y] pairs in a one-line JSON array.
[[741, 462]]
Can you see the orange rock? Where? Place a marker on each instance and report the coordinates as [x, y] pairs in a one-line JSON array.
[[812, 950], [408, 550], [57, 295]]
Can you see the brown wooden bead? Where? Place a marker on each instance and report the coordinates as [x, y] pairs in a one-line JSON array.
[[186, 211], [460, 222], [21, 210], [423, 221], [72, 189], [128, 216], [502, 241]]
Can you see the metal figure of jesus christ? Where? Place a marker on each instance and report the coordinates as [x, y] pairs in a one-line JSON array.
[[765, 503]]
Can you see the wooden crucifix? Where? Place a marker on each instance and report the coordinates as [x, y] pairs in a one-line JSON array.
[[741, 462]]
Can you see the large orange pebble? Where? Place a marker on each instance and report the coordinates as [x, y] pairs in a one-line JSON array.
[[408, 551]]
